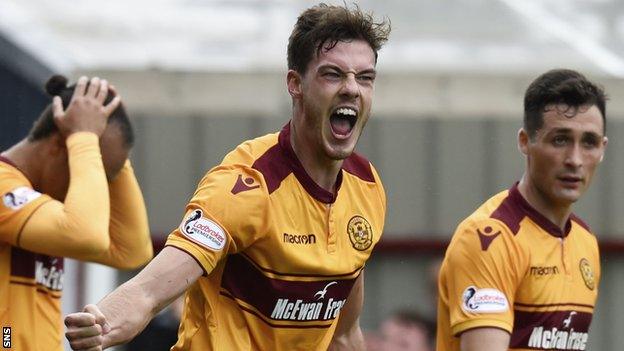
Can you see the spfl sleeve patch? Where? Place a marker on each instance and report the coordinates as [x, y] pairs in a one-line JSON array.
[[203, 231], [475, 300], [19, 197]]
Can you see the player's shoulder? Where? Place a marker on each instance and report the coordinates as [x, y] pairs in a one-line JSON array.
[[268, 158], [11, 178], [486, 229], [580, 224], [491, 215], [9, 172], [361, 168], [237, 173], [581, 228], [249, 151], [237, 180], [15, 189]]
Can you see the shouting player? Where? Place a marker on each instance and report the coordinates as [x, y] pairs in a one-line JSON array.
[[272, 248]]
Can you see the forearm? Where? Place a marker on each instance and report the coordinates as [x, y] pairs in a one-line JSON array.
[[79, 226], [130, 242], [129, 308], [127, 311], [88, 189], [348, 334], [352, 341]]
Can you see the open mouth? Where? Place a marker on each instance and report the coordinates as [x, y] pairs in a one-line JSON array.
[[343, 120]]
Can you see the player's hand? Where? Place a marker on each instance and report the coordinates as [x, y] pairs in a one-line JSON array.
[[86, 330], [86, 111]]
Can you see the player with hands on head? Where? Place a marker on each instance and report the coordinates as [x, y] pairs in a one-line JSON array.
[[68, 190], [85, 100], [273, 244]]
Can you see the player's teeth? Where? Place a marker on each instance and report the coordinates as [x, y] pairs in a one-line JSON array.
[[346, 111]]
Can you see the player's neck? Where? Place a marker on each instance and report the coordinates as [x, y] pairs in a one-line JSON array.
[[557, 213], [28, 156], [322, 170]]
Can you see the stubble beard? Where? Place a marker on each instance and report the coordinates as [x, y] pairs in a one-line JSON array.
[[556, 196]]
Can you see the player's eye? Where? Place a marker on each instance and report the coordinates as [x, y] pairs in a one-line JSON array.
[[332, 75], [560, 140], [368, 78], [590, 142]]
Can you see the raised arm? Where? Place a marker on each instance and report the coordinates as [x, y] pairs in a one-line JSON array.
[[130, 244], [124, 313], [79, 225], [348, 335]]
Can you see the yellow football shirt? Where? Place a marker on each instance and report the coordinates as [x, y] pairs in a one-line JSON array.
[[280, 253], [30, 283], [508, 267]]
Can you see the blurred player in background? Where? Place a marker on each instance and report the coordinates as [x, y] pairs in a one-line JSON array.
[[274, 241], [403, 330], [522, 271], [67, 190]]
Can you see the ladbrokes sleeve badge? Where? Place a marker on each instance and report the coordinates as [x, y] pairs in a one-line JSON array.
[[475, 300], [360, 233], [19, 197], [203, 231]]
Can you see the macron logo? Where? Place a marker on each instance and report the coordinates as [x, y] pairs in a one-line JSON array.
[[487, 237], [245, 185]]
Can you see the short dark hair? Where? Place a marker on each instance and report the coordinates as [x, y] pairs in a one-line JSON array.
[[560, 86], [44, 126], [323, 26]]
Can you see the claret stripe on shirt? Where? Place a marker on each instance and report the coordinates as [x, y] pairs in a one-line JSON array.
[[545, 329], [354, 273], [284, 300]]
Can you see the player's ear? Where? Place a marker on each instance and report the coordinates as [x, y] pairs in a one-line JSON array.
[[294, 82], [605, 141], [523, 141]]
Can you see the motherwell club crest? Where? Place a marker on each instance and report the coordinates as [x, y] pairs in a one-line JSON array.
[[588, 274], [360, 233]]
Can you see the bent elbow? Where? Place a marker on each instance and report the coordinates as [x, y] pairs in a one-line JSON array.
[[133, 263], [137, 260], [143, 256], [148, 254], [94, 242]]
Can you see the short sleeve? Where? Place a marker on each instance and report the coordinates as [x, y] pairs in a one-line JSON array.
[[482, 270], [596, 259], [19, 202], [382, 191], [228, 212]]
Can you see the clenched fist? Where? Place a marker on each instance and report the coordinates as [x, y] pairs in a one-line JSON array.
[[86, 330]]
